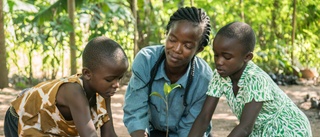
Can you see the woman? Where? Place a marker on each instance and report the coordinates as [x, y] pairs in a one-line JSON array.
[[176, 62]]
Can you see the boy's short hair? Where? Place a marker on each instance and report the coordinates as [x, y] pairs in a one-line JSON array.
[[240, 31], [101, 48]]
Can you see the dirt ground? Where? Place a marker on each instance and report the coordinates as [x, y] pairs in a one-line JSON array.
[[223, 119]]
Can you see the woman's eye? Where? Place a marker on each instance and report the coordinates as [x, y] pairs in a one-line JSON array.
[[189, 46], [171, 39]]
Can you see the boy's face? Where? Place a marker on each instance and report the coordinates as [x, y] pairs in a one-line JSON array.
[[182, 43], [104, 80], [229, 57]]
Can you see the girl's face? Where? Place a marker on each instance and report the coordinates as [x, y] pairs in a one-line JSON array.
[[182, 43], [229, 57], [105, 79]]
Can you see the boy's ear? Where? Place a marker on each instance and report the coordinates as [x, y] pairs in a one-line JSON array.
[[86, 73], [248, 57]]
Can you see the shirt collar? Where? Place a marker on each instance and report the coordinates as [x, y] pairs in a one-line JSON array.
[[162, 74], [245, 73]]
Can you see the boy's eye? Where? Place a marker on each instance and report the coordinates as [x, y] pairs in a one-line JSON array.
[[109, 80], [112, 79]]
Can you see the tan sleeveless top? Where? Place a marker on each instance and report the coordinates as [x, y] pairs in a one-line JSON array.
[[39, 116]]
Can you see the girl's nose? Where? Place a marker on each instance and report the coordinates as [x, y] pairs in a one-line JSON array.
[[218, 61]]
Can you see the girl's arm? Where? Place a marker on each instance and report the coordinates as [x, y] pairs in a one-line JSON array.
[[203, 119], [107, 129], [249, 115]]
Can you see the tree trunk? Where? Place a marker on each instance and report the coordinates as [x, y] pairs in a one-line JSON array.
[[72, 43], [242, 10], [191, 3], [293, 30], [3, 54], [136, 35]]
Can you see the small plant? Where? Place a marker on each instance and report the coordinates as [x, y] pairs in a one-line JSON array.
[[166, 89]]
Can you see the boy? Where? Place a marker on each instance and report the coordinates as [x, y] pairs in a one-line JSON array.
[[75, 105]]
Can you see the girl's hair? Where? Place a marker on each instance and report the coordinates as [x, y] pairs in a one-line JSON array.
[[195, 15], [241, 31]]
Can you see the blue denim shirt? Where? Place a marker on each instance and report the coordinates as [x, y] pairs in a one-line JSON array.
[[140, 115]]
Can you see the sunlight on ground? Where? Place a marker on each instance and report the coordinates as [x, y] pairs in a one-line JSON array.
[[226, 116]]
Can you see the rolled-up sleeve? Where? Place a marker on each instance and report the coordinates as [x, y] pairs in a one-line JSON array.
[[186, 122], [196, 98], [136, 96]]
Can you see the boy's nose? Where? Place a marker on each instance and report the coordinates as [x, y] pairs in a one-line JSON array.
[[116, 84]]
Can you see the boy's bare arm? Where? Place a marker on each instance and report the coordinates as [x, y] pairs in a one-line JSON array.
[[203, 120], [107, 129], [79, 107], [249, 115]]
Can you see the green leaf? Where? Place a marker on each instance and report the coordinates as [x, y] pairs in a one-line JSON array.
[[168, 88], [157, 94]]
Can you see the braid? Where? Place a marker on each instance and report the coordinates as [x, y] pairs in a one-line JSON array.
[[195, 15]]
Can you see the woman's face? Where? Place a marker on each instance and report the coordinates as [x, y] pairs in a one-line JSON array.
[[182, 43]]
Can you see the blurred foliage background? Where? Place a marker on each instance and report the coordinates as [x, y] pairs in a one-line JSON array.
[[44, 39]]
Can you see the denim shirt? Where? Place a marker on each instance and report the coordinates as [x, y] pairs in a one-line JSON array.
[[139, 114]]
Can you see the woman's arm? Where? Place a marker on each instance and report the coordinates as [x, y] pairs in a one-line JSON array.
[[107, 129], [203, 120], [249, 115]]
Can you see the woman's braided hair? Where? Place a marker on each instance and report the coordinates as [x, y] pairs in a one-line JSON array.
[[195, 15]]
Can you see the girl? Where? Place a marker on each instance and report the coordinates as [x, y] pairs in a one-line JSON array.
[[262, 108]]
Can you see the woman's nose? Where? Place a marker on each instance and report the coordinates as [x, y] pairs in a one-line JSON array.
[[177, 48]]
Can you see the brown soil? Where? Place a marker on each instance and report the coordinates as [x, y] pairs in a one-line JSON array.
[[223, 119]]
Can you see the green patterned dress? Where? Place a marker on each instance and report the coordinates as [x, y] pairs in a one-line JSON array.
[[279, 116]]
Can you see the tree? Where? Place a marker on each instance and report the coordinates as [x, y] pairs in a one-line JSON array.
[[72, 37], [3, 54]]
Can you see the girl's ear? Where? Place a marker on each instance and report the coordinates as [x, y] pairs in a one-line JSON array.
[[86, 73], [248, 57]]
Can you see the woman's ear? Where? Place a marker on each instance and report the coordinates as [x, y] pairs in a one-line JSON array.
[[248, 57], [86, 73], [200, 49]]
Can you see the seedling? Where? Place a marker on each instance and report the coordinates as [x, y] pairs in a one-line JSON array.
[[166, 89]]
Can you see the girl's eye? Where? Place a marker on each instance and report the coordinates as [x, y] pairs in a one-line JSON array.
[[227, 57]]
